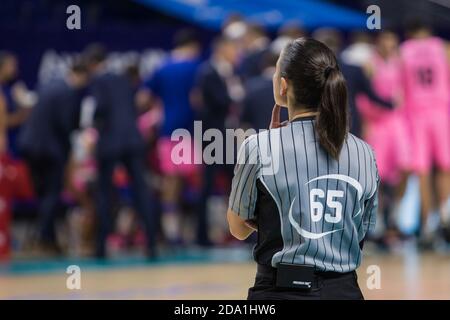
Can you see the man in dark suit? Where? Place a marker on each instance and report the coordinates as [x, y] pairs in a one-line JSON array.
[[258, 103], [45, 143], [213, 83], [256, 47], [119, 142], [213, 88]]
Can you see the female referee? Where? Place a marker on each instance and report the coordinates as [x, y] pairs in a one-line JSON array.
[[308, 187]]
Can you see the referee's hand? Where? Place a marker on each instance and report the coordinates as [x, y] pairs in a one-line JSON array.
[[275, 121]]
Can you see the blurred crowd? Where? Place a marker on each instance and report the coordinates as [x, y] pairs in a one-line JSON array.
[[86, 161]]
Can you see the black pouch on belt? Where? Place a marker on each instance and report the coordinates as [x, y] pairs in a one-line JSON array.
[[295, 276]]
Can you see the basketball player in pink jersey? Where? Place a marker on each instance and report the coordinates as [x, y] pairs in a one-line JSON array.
[[426, 83], [385, 129]]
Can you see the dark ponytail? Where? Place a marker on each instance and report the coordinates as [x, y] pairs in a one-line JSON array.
[[332, 119], [318, 85]]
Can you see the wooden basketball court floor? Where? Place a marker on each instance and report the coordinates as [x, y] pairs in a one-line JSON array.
[[219, 274]]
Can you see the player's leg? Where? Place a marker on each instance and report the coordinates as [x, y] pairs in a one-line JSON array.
[[379, 139], [207, 184], [443, 186], [426, 200], [170, 192], [440, 133], [401, 149], [421, 162]]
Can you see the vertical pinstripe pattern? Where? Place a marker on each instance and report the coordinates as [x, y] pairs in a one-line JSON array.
[[299, 190], [317, 185], [326, 206], [349, 259], [345, 205], [305, 155]]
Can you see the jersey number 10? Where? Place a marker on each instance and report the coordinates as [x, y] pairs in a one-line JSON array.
[[317, 206]]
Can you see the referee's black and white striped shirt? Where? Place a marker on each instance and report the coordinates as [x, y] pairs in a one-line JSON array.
[[310, 208]]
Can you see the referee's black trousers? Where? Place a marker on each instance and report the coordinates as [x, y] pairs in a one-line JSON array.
[[326, 286]]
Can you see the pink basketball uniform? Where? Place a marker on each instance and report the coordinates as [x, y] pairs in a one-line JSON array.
[[426, 83], [385, 130]]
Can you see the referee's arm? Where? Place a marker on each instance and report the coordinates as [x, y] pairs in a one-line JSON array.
[[242, 200]]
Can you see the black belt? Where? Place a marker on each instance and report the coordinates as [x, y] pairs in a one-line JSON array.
[[270, 272]]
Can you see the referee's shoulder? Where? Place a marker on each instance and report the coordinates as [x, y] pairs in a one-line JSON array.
[[264, 136], [362, 145], [248, 150], [257, 140], [251, 140]]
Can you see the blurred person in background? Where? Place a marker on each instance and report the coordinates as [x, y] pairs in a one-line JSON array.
[[45, 143], [133, 74], [119, 142], [17, 99], [360, 49], [14, 176], [14, 185], [235, 27], [215, 99], [234, 18], [80, 185], [291, 29], [357, 82], [4, 252], [258, 103], [385, 130], [172, 84], [3, 124], [256, 45], [425, 83]]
